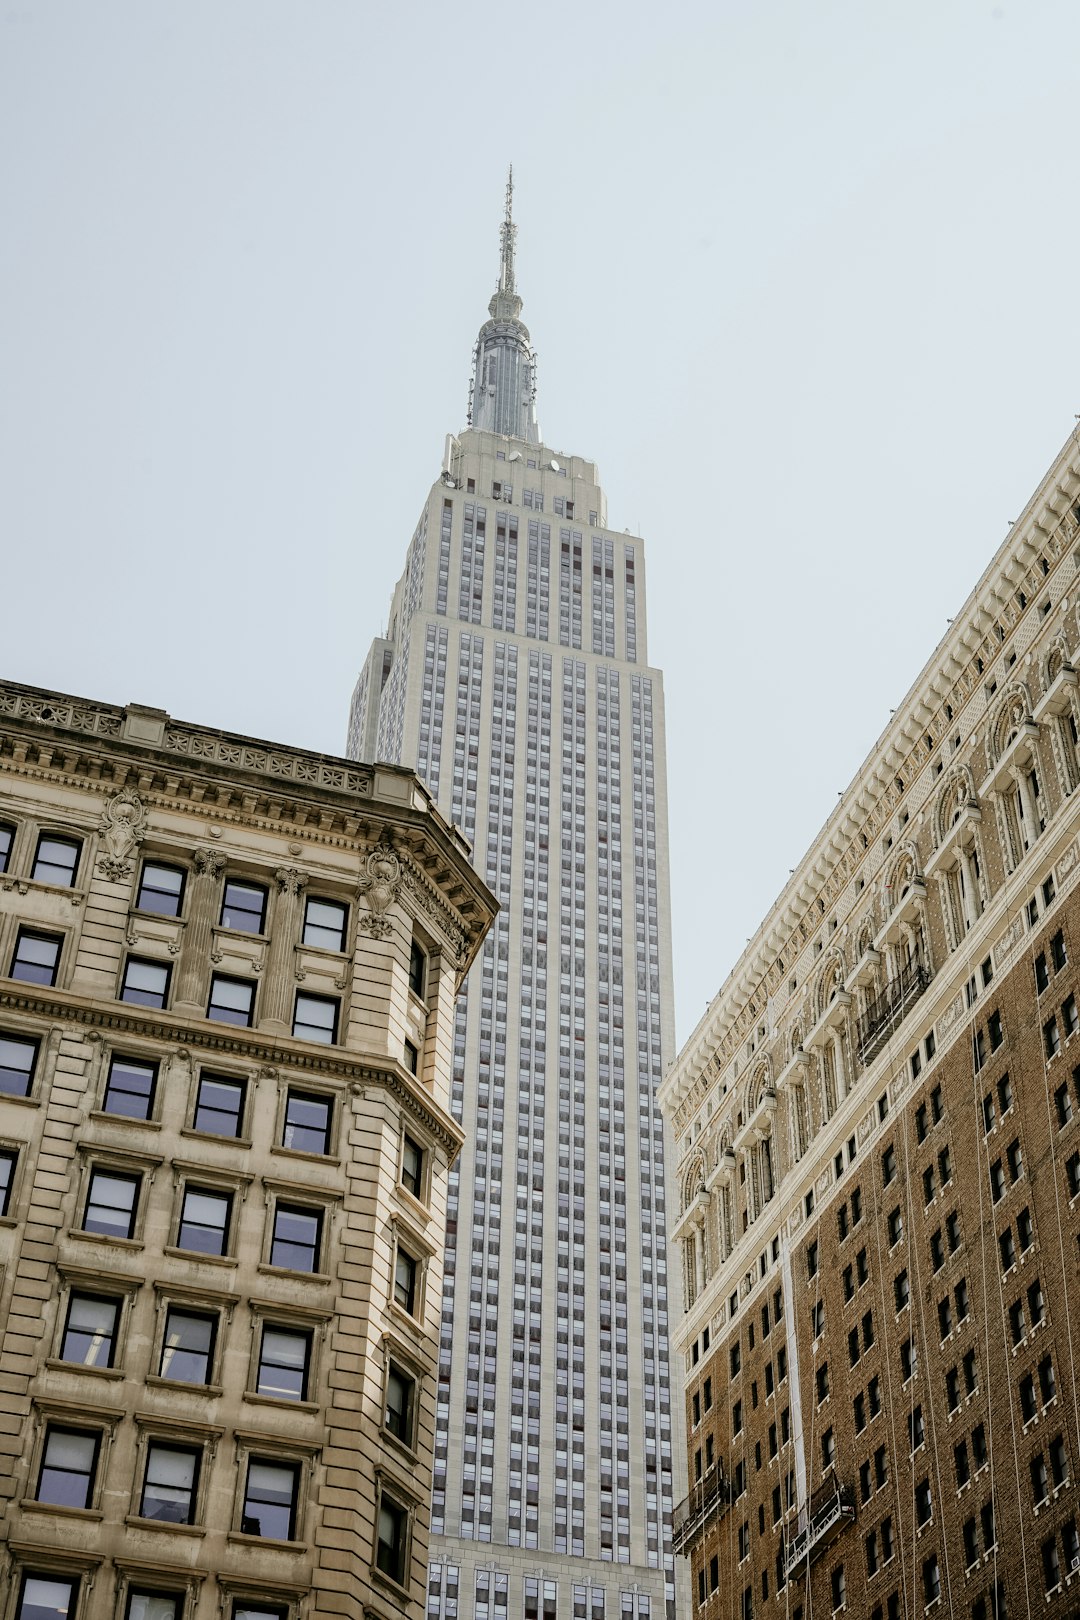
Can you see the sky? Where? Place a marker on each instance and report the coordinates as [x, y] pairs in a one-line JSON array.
[[802, 278]]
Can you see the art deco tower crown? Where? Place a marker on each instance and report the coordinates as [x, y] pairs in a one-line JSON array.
[[502, 393]]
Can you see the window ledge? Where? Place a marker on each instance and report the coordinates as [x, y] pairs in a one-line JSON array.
[[414, 1205], [286, 1272], [23, 1102], [380, 1578], [132, 1245], [78, 1367], [280, 1403], [139, 1523], [155, 1381], [32, 1505], [330, 1159], [406, 1450], [212, 1136], [240, 1539], [125, 1119], [195, 1258]]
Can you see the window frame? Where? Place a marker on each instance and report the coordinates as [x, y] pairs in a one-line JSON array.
[[132, 959], [421, 1193], [153, 1064], [250, 985], [6, 851], [20, 1037], [43, 1565], [300, 1200], [405, 1504], [70, 1424], [262, 1452], [196, 1307], [77, 1290], [252, 886], [156, 1440], [222, 1077], [309, 1094], [119, 1172], [151, 863], [25, 932], [298, 1028], [341, 948], [68, 840], [192, 1186]]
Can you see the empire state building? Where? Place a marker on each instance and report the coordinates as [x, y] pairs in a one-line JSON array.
[[515, 679]]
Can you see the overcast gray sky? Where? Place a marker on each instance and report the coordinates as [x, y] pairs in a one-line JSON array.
[[803, 280]]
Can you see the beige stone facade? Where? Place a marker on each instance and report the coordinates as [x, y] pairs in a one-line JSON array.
[[227, 982], [877, 1123]]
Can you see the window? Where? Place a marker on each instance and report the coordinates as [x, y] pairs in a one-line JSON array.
[[412, 1057], [858, 1407], [412, 1166], [920, 1122], [244, 907], [406, 1280], [232, 1001], [1040, 1488], [307, 1122], [989, 1118], [204, 1221], [219, 1105], [994, 1030], [849, 1283], [90, 1331], [1007, 1248], [945, 1165], [873, 1390], [270, 1499], [929, 1188], [1069, 1016], [817, 1319], [862, 1268], [7, 837], [1047, 1382], [937, 1250], [1059, 1461], [822, 1382], [130, 1088], [400, 1403], [1051, 1038], [1042, 973], [18, 1058], [37, 957], [997, 1180], [111, 1202], [47, 1597], [909, 1359], [170, 1483], [896, 1226], [325, 924], [923, 1506], [737, 1418], [417, 969], [952, 1389], [68, 1465], [960, 1295], [888, 1165], [812, 1259], [916, 1431], [735, 1354], [1025, 1231], [828, 1449], [1005, 1095], [1072, 1173], [978, 1446], [1057, 951], [1017, 1324], [150, 1603], [931, 1577], [1028, 1404], [1051, 1565], [900, 1290], [187, 1346], [161, 889], [316, 1018], [392, 1538], [1015, 1159], [839, 1588], [971, 1373], [962, 1464], [56, 861], [297, 1238], [284, 1361], [1062, 1100], [146, 983], [952, 1231]]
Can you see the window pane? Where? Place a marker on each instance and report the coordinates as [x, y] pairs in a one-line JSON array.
[[130, 1090], [110, 1206], [324, 924], [268, 1506], [145, 982], [187, 1347], [231, 1000], [17, 1058], [67, 1468], [296, 1238], [46, 1597], [7, 835], [37, 957], [220, 1106], [398, 1403], [283, 1365], [307, 1123], [8, 1161], [204, 1222], [316, 1019], [56, 861], [412, 1164], [155, 1606], [169, 1488], [90, 1334], [243, 908], [161, 889]]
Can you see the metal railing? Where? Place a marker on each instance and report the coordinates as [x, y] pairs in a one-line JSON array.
[[891, 1006], [706, 1501], [830, 1506]]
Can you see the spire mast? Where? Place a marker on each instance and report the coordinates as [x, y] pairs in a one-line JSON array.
[[508, 235]]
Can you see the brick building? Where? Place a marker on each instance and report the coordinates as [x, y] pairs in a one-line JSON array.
[[878, 1138], [228, 973]]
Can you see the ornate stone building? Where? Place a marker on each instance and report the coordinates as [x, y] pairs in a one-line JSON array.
[[227, 982], [878, 1139]]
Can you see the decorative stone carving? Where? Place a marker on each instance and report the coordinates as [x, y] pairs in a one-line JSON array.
[[290, 881], [123, 827], [208, 862], [381, 887]]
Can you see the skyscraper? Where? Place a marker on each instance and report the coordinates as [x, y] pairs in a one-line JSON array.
[[515, 678]]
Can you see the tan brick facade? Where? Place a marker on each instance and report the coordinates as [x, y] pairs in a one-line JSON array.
[[878, 1128], [227, 980]]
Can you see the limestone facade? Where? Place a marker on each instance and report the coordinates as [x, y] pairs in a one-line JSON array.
[[878, 1173], [228, 973]]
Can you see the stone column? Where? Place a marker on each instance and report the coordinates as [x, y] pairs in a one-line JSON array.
[[971, 887], [208, 865], [279, 979], [1031, 814]]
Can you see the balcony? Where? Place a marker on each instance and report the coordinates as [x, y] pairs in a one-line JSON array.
[[831, 1507], [706, 1502], [889, 1009]]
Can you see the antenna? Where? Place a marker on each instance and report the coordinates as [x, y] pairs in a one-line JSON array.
[[508, 233]]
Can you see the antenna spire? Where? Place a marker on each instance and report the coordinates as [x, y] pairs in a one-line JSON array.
[[508, 236]]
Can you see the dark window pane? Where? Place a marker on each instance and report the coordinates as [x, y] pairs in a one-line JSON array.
[[204, 1221], [316, 1019], [8, 1160], [270, 1502], [231, 1000], [67, 1468], [405, 1269], [7, 835], [130, 1088], [172, 1474], [56, 860], [390, 1551], [296, 1238], [146, 983], [412, 1166], [219, 1109], [90, 1332], [110, 1204], [187, 1348], [17, 1058], [399, 1399], [324, 924], [417, 969], [244, 907], [307, 1123], [283, 1364], [161, 889], [37, 957]]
